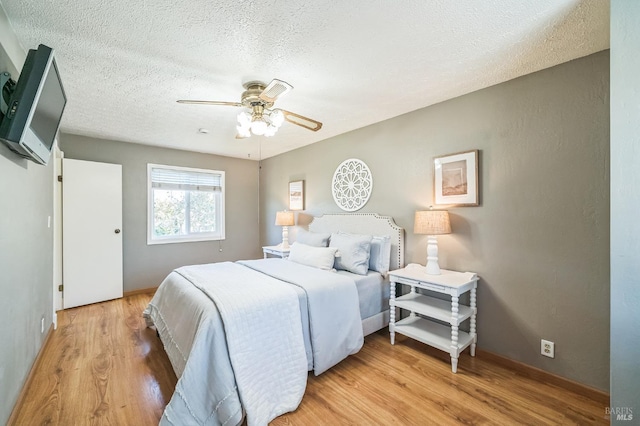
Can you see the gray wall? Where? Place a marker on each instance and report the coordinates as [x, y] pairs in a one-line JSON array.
[[146, 266], [540, 239], [625, 205], [26, 253]]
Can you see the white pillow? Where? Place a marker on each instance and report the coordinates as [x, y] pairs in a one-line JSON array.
[[354, 252], [380, 254], [317, 257], [315, 239]]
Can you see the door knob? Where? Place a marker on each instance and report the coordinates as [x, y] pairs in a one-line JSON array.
[[117, 231]]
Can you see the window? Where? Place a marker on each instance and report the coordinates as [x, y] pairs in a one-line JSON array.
[[184, 204]]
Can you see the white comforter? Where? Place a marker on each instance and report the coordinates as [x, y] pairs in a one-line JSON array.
[[258, 356], [335, 326]]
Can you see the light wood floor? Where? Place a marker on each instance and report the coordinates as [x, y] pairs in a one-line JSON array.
[[103, 367]]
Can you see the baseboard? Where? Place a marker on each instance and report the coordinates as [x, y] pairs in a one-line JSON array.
[[151, 290], [27, 383], [546, 377]]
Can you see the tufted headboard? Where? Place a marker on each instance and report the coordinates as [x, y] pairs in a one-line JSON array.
[[364, 223]]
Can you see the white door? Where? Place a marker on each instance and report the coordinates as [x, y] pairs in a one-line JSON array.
[[91, 232]]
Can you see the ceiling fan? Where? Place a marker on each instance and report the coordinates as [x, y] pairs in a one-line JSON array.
[[261, 118]]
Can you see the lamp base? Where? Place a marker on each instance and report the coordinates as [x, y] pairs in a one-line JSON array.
[[432, 256], [433, 268], [285, 238]]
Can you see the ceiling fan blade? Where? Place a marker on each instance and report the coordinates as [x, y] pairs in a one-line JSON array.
[[301, 120], [274, 90], [235, 104]]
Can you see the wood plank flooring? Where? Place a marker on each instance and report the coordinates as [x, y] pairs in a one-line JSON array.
[[103, 367]]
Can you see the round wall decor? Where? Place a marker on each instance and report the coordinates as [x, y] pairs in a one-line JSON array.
[[352, 185]]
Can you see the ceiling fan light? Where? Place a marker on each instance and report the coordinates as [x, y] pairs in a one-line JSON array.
[[258, 127], [244, 119], [277, 118]]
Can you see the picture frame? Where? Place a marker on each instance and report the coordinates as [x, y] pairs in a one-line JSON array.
[[296, 195], [455, 179]]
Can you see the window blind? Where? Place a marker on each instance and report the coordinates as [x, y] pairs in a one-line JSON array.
[[185, 180]]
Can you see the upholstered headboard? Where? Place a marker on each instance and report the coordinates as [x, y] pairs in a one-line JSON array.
[[364, 223]]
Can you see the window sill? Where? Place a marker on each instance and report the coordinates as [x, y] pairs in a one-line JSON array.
[[187, 239]]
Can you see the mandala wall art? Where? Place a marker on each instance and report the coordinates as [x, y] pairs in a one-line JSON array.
[[352, 185]]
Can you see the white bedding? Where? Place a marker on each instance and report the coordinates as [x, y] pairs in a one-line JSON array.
[[266, 350], [335, 327], [373, 292], [194, 328], [205, 355]]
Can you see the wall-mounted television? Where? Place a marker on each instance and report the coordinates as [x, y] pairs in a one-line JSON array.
[[35, 106]]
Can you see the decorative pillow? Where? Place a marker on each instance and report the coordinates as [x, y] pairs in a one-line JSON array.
[[315, 239], [317, 257], [380, 254], [354, 252]]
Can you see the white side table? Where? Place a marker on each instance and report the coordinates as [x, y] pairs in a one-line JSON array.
[[275, 251], [422, 328]]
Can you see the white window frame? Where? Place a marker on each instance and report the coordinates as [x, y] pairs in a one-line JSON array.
[[151, 239]]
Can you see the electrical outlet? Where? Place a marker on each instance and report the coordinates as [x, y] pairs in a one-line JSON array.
[[42, 325], [547, 348]]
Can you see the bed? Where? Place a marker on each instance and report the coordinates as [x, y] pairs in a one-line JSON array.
[[212, 318]]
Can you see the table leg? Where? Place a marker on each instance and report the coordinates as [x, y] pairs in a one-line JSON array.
[[454, 333], [472, 325], [392, 312], [411, 313], [454, 365]]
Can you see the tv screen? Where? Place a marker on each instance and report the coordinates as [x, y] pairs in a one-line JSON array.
[[35, 107]]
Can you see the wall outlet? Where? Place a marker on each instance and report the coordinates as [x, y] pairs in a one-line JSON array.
[[547, 348], [42, 325]]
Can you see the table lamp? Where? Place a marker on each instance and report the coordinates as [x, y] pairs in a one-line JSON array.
[[432, 223], [285, 219]]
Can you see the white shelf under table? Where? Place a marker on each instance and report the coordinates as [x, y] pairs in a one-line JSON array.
[[431, 333], [433, 307]]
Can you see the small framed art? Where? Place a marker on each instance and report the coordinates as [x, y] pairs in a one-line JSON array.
[[296, 195], [456, 179]]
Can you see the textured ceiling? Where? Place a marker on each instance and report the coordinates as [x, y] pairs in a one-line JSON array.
[[125, 63]]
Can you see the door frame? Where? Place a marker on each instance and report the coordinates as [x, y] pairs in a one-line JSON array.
[[58, 155]]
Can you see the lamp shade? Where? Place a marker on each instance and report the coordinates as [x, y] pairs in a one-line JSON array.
[[258, 126], [285, 218], [432, 222]]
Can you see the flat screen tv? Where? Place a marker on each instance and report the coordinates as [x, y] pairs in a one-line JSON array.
[[34, 110]]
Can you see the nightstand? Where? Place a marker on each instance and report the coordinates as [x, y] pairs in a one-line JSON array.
[[419, 325], [275, 251]]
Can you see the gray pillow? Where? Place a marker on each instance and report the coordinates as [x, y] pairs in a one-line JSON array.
[[354, 252], [315, 239]]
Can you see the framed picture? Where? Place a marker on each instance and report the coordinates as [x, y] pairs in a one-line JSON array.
[[296, 195], [455, 179]]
